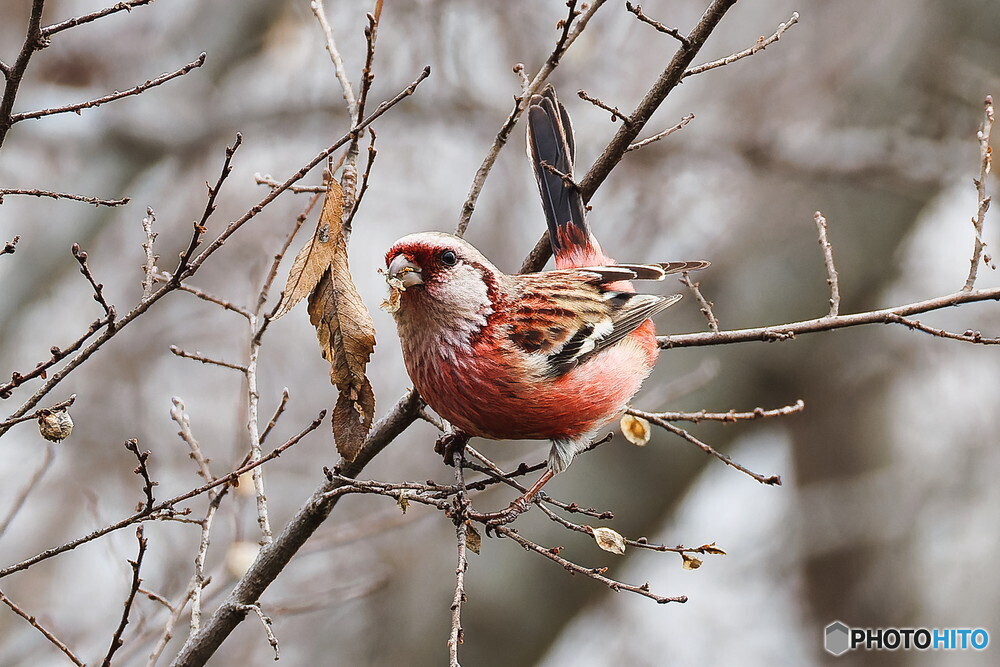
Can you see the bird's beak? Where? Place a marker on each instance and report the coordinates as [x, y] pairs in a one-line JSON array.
[[405, 271]]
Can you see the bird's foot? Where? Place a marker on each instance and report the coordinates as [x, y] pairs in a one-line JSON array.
[[504, 516], [450, 444]]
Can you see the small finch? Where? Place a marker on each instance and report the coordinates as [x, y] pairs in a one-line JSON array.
[[541, 356]]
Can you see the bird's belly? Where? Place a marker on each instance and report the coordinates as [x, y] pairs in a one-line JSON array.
[[498, 399]]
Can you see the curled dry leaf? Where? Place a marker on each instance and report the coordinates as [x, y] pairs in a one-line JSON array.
[[711, 549], [636, 430], [403, 502], [690, 562], [473, 540], [54, 425], [609, 540], [343, 324]]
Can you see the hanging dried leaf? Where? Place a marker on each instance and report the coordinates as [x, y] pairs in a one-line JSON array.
[[352, 418], [403, 502], [473, 540], [317, 255], [609, 540], [690, 562], [636, 430], [54, 425]]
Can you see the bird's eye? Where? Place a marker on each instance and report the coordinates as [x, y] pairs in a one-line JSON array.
[[449, 258]]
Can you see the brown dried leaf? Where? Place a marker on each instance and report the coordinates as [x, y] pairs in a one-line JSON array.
[[690, 562], [712, 549], [473, 540], [636, 430], [352, 418], [317, 255], [609, 540], [403, 502]]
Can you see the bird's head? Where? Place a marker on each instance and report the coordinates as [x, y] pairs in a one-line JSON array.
[[439, 278]]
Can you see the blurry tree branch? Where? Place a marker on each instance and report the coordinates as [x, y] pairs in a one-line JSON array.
[[62, 195]]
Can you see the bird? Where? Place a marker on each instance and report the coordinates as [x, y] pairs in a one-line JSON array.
[[553, 355]]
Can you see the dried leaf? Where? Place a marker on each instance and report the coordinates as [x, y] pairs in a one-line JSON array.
[[690, 562], [711, 549], [473, 540], [352, 418], [403, 502], [317, 255], [609, 540], [636, 430]]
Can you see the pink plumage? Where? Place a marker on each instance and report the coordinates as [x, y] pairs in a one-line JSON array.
[[552, 355]]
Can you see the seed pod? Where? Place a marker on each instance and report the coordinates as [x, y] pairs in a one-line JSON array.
[[55, 425]]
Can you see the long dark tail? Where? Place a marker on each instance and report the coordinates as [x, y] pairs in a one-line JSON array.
[[551, 150]]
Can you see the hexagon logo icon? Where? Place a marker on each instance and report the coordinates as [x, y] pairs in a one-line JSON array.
[[837, 638]]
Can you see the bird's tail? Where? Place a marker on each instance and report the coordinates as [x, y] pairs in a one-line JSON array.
[[551, 150]]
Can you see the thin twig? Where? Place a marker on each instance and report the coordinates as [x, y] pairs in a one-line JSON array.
[[597, 574], [183, 420], [55, 407], [319, 11], [372, 152], [149, 268], [165, 277], [268, 180], [782, 332], [773, 480], [127, 6], [266, 622], [456, 636], [200, 580], [116, 640], [616, 115], [81, 257], [985, 165], [207, 360], [673, 32], [705, 304], [831, 270], [661, 135], [62, 195], [33, 622], [143, 471], [117, 95], [570, 31], [151, 513], [14, 74], [168, 628], [969, 336], [761, 44], [730, 416], [272, 273], [278, 411]]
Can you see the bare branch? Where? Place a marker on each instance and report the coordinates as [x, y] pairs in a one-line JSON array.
[[152, 513], [109, 310], [616, 115], [149, 268], [319, 11], [14, 74], [126, 6], [141, 470], [207, 360], [730, 416], [62, 195], [272, 273], [165, 277], [969, 336], [661, 135], [831, 270], [33, 622], [781, 332], [597, 574], [985, 164], [456, 637], [55, 407], [117, 95], [653, 418], [277, 414], [761, 44], [266, 179], [570, 31], [266, 622], [116, 640], [705, 304], [673, 32], [179, 415]]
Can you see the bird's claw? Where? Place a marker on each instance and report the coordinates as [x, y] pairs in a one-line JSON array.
[[494, 519], [449, 445]]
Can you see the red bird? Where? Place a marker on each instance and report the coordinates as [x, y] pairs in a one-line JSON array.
[[542, 356]]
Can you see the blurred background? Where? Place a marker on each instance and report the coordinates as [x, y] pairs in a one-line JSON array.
[[889, 512]]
